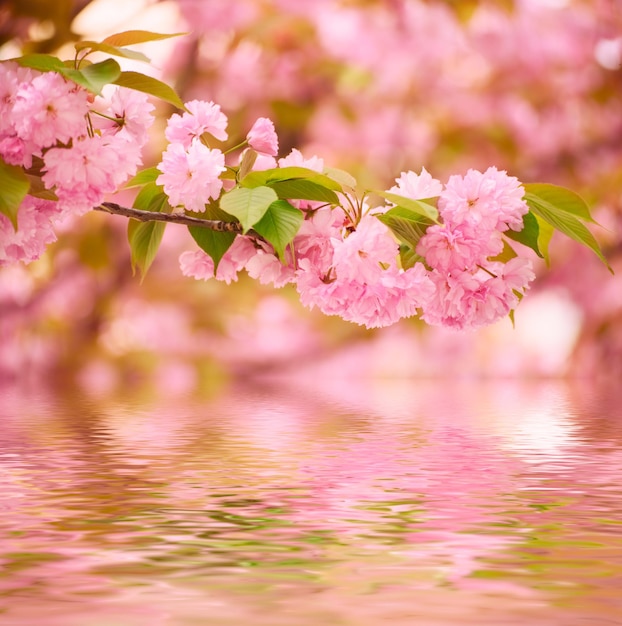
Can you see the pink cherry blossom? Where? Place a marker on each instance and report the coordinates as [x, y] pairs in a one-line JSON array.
[[191, 177], [200, 265], [235, 259], [201, 117], [491, 200], [365, 254], [473, 299], [11, 77], [455, 249], [34, 231], [417, 186], [131, 109], [13, 148], [396, 294], [265, 267], [262, 137], [196, 264], [49, 109], [15, 151], [82, 174], [517, 273], [362, 282], [316, 236], [295, 159]]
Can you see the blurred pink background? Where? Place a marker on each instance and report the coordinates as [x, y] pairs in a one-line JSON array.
[[376, 87]]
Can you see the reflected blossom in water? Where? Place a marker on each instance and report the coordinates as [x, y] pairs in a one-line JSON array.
[[296, 501]]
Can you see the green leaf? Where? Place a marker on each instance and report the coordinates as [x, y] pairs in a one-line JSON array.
[[529, 234], [406, 225], [94, 46], [148, 196], [545, 234], [248, 205], [302, 189], [418, 206], [14, 186], [99, 74], [92, 77], [145, 237], [558, 198], [210, 241], [408, 257], [275, 175], [566, 223], [41, 62], [279, 225], [149, 85], [148, 175], [345, 179], [131, 37]]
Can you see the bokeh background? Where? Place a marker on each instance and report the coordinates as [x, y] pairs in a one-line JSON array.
[[372, 86]]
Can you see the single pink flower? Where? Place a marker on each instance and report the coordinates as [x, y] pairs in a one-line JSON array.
[[262, 137], [417, 186], [191, 177], [35, 231], [131, 109], [201, 117], [317, 235], [265, 267], [295, 159], [49, 109], [82, 174], [366, 253], [15, 151], [491, 200], [455, 249], [197, 264]]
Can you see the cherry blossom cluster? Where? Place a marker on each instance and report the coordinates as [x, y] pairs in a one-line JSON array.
[[470, 288], [343, 260], [190, 169], [82, 148]]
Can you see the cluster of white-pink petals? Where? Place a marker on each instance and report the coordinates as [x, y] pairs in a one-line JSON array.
[[37, 111], [190, 169], [472, 288], [83, 148], [351, 269], [35, 231]]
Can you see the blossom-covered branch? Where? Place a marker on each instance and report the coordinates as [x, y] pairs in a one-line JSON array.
[[445, 252]]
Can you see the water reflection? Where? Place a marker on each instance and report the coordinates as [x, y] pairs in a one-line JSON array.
[[346, 502]]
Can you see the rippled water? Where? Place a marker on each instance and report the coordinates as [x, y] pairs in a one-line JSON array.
[[343, 503]]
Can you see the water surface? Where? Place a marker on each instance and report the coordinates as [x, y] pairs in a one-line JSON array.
[[357, 503]]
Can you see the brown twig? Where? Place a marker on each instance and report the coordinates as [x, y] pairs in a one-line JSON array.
[[174, 218]]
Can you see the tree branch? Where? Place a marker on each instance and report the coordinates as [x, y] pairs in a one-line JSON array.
[[174, 218]]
